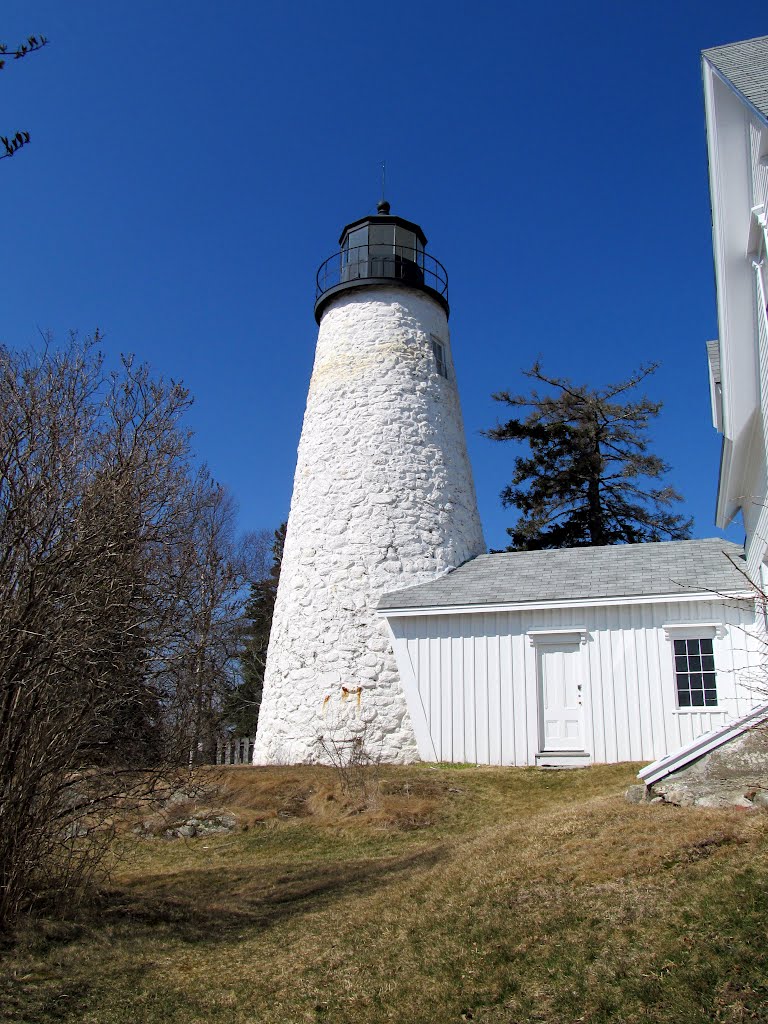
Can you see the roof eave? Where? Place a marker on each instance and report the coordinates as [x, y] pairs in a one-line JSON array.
[[587, 602], [725, 507], [759, 114]]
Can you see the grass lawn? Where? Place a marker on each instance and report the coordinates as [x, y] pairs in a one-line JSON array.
[[492, 895]]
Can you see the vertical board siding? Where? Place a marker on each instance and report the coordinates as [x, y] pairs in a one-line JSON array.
[[643, 680], [531, 686], [467, 649], [758, 538], [596, 699], [759, 168], [629, 747], [452, 723], [476, 677], [607, 685], [508, 704], [494, 690], [656, 689], [518, 751], [480, 678]]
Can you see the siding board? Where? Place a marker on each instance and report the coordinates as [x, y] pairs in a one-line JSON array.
[[517, 642], [446, 704], [608, 687], [596, 688], [507, 730], [481, 690], [494, 689]]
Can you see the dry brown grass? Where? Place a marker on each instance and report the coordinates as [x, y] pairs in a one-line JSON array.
[[387, 801], [459, 894]]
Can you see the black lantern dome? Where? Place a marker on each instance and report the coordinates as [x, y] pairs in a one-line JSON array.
[[378, 250]]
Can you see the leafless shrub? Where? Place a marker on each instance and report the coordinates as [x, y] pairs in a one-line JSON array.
[[356, 766]]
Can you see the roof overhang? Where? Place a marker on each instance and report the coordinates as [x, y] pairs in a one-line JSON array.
[[378, 219], [593, 602], [728, 116], [754, 111], [737, 458]]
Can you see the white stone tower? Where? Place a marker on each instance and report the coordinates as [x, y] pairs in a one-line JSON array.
[[383, 496]]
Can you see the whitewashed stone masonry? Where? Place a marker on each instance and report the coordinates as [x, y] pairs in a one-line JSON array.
[[383, 499]]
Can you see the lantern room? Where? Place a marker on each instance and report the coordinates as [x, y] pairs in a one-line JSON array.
[[379, 251]]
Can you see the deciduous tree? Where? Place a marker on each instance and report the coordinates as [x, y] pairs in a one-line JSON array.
[[217, 567], [119, 577], [13, 143]]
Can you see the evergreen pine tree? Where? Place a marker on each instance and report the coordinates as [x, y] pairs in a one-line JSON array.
[[241, 710], [589, 478]]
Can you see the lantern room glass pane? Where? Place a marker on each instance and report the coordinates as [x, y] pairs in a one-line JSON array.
[[355, 255], [358, 238], [381, 238], [405, 242]]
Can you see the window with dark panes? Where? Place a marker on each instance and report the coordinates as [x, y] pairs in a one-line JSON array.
[[439, 353], [695, 673], [381, 239], [355, 257], [405, 244]]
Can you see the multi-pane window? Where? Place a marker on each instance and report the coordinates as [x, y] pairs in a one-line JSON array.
[[695, 673], [439, 353]]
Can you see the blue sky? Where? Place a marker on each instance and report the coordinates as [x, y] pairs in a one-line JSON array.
[[192, 163]]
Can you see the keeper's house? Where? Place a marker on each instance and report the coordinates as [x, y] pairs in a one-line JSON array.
[[736, 96], [580, 655]]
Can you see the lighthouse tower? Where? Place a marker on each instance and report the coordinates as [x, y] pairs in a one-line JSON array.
[[383, 496]]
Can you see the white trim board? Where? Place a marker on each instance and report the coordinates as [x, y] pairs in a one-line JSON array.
[[692, 630], [593, 602], [575, 635]]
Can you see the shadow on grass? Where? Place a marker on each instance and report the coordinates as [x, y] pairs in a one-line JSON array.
[[209, 905]]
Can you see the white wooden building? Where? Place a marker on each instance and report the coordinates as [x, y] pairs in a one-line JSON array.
[[577, 656], [736, 101], [629, 652]]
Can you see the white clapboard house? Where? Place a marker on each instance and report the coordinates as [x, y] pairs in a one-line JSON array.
[[736, 100], [579, 655]]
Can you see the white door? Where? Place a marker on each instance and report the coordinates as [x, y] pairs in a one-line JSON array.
[[562, 721]]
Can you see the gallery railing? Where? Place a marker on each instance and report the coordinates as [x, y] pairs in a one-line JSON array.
[[398, 262]]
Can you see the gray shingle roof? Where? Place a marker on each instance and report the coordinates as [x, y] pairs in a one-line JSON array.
[[745, 65], [623, 570]]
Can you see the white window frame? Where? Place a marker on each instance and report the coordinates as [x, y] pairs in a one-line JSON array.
[[694, 631]]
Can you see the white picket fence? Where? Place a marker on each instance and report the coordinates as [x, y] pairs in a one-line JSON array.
[[237, 750]]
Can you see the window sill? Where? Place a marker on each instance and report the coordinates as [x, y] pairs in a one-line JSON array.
[[704, 707]]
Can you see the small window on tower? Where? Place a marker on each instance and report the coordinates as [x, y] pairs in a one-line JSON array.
[[438, 350]]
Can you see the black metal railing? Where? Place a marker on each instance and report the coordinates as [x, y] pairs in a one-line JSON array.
[[398, 262]]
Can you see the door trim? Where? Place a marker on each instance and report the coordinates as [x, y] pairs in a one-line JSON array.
[[570, 649]]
